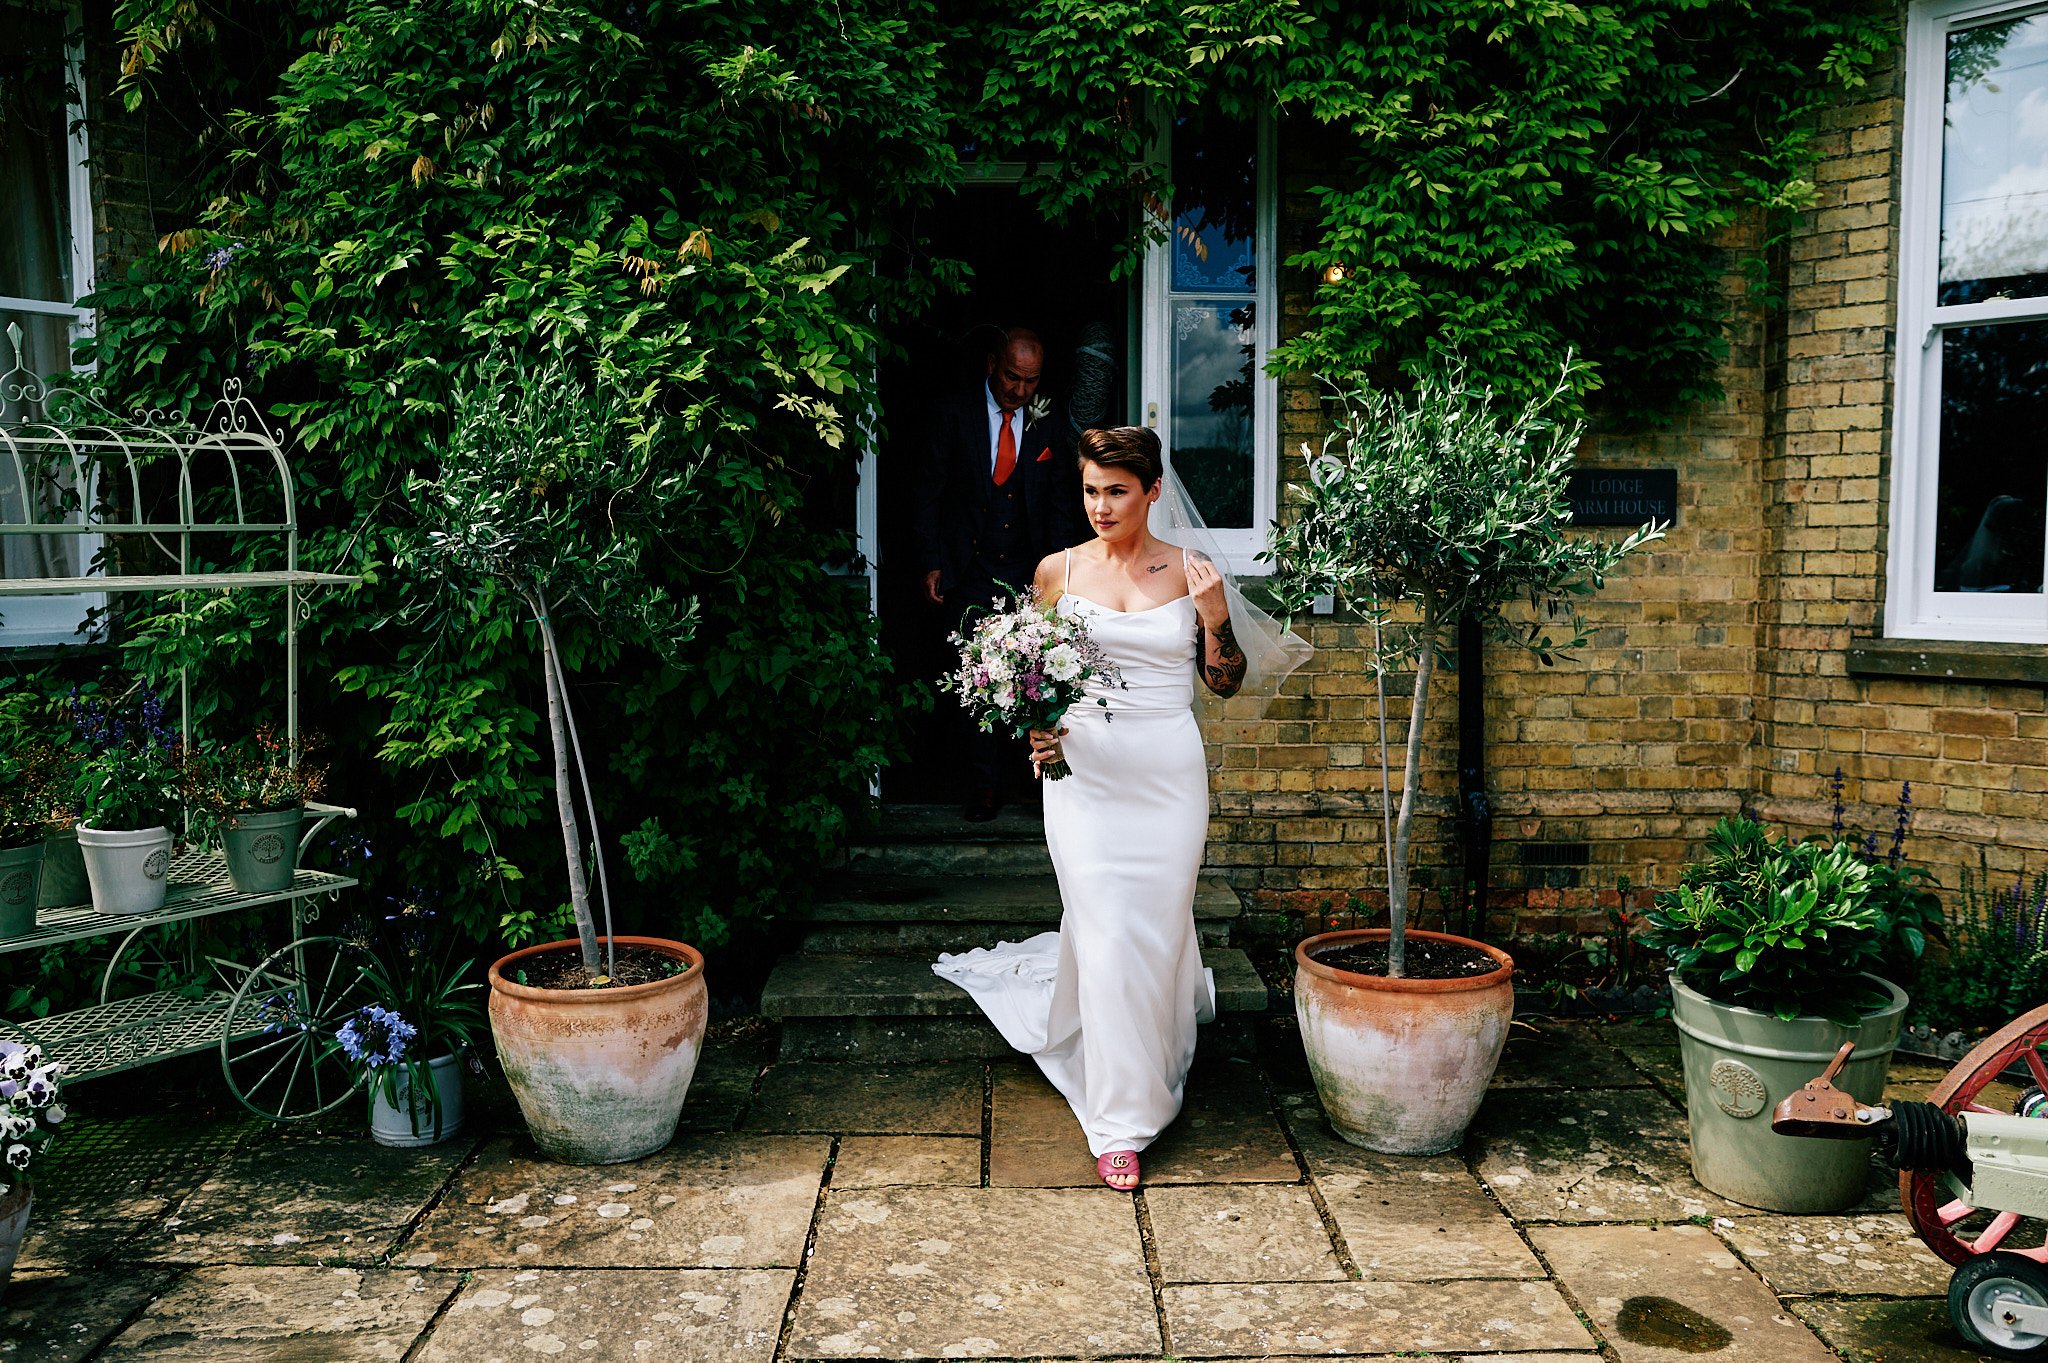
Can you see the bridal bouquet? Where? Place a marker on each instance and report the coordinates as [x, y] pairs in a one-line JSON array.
[[1025, 668]]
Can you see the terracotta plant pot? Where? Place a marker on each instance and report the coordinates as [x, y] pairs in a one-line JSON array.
[[1401, 1065], [600, 1074]]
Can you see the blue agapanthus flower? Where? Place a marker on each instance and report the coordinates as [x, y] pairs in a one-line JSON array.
[[375, 1037]]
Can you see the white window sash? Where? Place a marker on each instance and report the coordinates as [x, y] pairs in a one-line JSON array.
[[40, 621], [1240, 546], [1913, 609]]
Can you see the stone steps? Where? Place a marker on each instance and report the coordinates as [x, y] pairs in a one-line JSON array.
[[861, 985], [877, 1007], [931, 913]]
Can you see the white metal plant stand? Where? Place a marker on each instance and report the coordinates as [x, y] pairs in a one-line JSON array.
[[154, 482]]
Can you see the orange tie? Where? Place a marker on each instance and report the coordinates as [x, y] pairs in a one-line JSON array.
[[1006, 452]]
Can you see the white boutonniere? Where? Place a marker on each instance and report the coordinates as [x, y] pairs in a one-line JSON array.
[[1040, 408]]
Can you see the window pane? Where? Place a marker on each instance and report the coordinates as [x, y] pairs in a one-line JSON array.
[[35, 196], [1213, 221], [1994, 163], [1993, 482], [1214, 349]]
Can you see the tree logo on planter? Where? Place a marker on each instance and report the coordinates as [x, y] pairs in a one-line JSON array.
[[1737, 1088], [267, 850], [15, 888], [158, 863]]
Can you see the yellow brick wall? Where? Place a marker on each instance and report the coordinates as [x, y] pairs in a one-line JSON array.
[[1716, 679]]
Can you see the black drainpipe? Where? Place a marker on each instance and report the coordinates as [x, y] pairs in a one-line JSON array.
[[1475, 813]]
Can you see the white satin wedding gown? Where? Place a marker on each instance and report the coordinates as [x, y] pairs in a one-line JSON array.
[[1108, 1005]]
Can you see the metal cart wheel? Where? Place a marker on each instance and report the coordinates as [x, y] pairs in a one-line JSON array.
[[150, 958], [1942, 1219], [1997, 1301], [276, 1047]]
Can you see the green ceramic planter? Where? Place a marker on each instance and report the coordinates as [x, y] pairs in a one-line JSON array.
[[21, 877], [64, 882], [263, 850], [1740, 1064]]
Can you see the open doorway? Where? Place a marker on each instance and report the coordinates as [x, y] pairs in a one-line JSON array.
[[1024, 273]]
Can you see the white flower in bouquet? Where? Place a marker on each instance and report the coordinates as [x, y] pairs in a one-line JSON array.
[[1025, 667]]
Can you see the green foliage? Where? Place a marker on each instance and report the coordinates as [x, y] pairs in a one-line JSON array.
[[1785, 928], [721, 201], [1511, 181], [129, 777], [1452, 502], [417, 972], [253, 775], [1995, 966], [387, 196]]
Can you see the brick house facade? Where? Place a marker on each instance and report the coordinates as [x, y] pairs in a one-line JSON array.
[[1737, 664]]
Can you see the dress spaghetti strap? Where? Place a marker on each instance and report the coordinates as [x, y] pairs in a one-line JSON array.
[[1066, 569]]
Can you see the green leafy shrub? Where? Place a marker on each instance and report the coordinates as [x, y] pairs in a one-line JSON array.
[[1784, 928]]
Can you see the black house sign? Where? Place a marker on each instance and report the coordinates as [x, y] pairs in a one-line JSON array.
[[1622, 496]]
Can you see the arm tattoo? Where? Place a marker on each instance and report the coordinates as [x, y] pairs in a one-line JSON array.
[[1226, 674]]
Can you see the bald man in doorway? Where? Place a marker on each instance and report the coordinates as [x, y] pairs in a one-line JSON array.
[[998, 493]]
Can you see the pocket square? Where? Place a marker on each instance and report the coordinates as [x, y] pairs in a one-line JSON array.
[[1043, 455]]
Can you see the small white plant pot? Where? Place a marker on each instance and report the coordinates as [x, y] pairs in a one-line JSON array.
[[392, 1124], [130, 869]]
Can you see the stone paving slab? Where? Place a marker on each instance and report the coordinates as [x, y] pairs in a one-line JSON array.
[[1562, 1055], [1226, 1132], [707, 1201], [976, 1273], [118, 1175], [1034, 1139], [1615, 1160], [56, 1317], [264, 1315], [1241, 1233], [1858, 1255], [724, 1084], [843, 1096], [1911, 1077], [1913, 1331], [1409, 1218], [305, 1199], [900, 1161], [1264, 1320], [1659, 1294], [614, 1316]]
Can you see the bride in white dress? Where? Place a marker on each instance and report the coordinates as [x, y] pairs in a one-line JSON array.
[[1108, 1005]]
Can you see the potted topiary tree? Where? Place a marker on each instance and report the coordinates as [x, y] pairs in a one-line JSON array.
[[1423, 508], [549, 490], [1774, 948]]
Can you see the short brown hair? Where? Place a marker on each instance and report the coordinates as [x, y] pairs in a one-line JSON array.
[[1135, 448]]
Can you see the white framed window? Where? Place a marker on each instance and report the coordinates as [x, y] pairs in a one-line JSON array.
[[46, 266], [1208, 319], [1969, 510]]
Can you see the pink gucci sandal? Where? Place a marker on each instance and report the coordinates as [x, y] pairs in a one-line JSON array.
[[1119, 1169]]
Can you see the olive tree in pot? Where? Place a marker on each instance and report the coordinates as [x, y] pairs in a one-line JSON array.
[[1774, 948], [549, 491], [1423, 507]]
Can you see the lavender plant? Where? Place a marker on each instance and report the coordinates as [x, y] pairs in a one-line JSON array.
[[1997, 960], [129, 778]]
